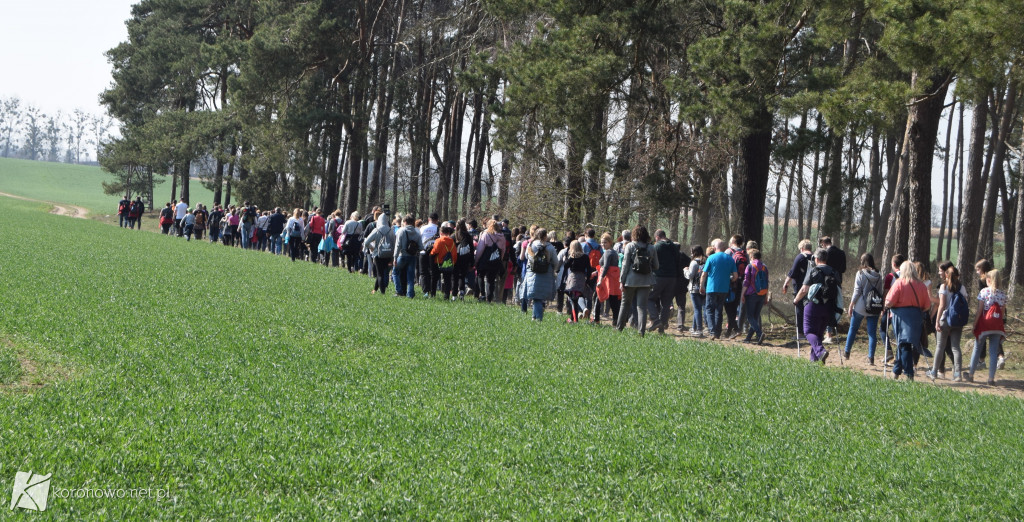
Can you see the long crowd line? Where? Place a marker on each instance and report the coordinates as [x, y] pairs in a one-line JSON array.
[[631, 278]]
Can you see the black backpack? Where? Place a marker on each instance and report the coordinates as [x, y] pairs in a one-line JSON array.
[[874, 301], [540, 262], [827, 291], [447, 264], [412, 247], [642, 261]]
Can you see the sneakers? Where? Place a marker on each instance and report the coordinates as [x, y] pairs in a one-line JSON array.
[[871, 361], [958, 378], [846, 355], [1001, 362], [734, 335], [991, 383], [930, 374], [824, 357], [940, 375], [760, 338], [827, 340], [586, 313], [968, 377]]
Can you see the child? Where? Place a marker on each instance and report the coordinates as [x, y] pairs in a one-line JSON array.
[[989, 325]]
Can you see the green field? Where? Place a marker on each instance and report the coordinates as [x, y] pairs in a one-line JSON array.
[[249, 386], [76, 184]]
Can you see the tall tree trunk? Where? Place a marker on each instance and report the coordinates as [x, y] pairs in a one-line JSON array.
[[755, 157], [973, 198], [1017, 268], [925, 116], [874, 189], [997, 179], [945, 179]]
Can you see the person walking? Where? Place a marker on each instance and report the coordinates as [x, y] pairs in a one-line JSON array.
[[166, 219], [540, 279], [294, 229], [444, 255], [179, 213], [213, 223], [275, 230], [639, 263], [381, 246], [135, 212], [951, 317], [989, 326], [188, 224], [716, 280], [351, 241], [732, 302], [693, 274], [248, 223], [836, 260], [866, 304], [577, 265], [201, 218], [820, 310], [317, 225], [408, 244], [262, 238], [796, 275], [908, 302], [609, 289], [490, 250], [659, 303], [463, 274], [123, 210], [755, 291], [428, 268]]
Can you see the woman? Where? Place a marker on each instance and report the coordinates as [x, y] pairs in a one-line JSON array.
[[755, 290], [351, 241], [490, 250], [294, 229], [166, 219], [989, 326], [697, 259], [539, 283], [639, 263], [578, 266], [231, 233], [929, 319], [982, 267], [445, 255], [867, 284], [188, 224], [608, 288], [908, 301], [464, 264], [381, 247], [945, 334]]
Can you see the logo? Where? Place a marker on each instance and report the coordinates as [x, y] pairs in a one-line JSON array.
[[30, 491]]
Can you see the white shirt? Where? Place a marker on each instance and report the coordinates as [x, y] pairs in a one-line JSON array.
[[428, 231], [180, 210]]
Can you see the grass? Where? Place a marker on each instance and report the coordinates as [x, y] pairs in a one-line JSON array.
[[249, 386], [76, 184]]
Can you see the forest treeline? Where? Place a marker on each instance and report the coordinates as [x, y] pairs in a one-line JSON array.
[[27, 132], [703, 117]]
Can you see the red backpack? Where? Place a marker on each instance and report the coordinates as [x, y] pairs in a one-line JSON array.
[[992, 320]]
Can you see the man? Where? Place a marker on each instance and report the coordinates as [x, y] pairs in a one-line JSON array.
[[215, 218], [135, 213], [428, 271], [659, 303], [179, 213], [837, 261], [739, 255], [715, 281], [682, 290], [817, 316], [796, 275], [202, 217], [261, 231], [123, 209], [249, 214], [408, 244], [275, 226]]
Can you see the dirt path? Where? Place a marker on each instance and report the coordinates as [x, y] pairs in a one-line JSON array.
[[779, 342], [62, 209]]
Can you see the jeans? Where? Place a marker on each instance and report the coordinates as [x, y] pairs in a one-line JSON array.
[[855, 321], [538, 310], [275, 244], [659, 303], [904, 362], [406, 270], [951, 336], [261, 239], [383, 272], [753, 305], [715, 301], [632, 295], [214, 233], [995, 342], [698, 312], [246, 235]]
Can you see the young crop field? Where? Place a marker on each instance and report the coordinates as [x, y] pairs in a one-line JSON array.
[[247, 386]]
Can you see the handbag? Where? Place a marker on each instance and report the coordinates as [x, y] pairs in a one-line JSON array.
[[326, 244]]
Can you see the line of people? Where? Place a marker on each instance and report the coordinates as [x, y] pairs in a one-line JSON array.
[[633, 279]]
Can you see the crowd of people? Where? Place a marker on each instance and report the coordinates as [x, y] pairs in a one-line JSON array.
[[631, 278]]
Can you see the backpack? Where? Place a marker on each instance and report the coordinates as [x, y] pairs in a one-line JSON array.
[[412, 247], [384, 248], [447, 264], [490, 258], [761, 280], [595, 258], [741, 259], [122, 208], [200, 218], [249, 216], [874, 301], [539, 262], [294, 229], [957, 312], [642, 261], [825, 292], [465, 249], [695, 279]]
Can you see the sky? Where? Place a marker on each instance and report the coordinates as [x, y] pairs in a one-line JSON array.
[[51, 51]]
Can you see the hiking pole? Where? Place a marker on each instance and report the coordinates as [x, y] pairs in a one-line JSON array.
[[797, 337]]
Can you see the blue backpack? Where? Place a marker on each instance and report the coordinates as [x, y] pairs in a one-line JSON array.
[[761, 280], [957, 312]]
